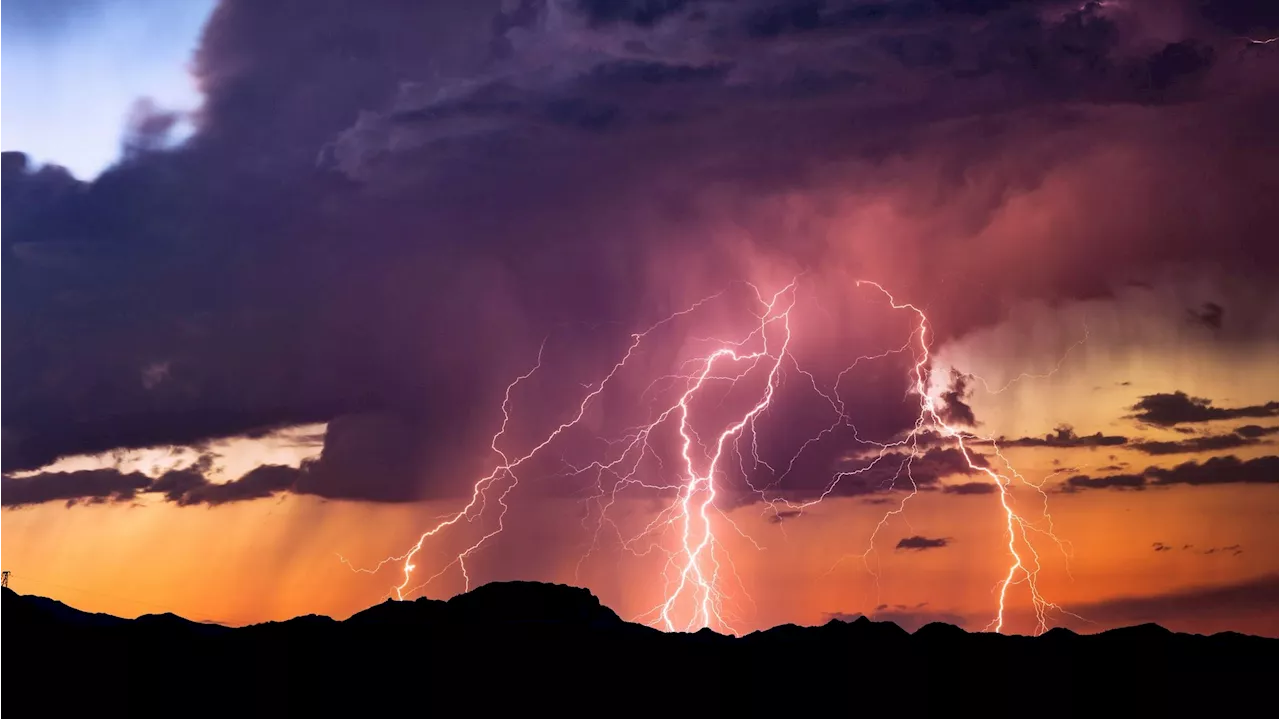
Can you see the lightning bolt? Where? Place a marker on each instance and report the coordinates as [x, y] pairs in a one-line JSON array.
[[697, 565], [1024, 565]]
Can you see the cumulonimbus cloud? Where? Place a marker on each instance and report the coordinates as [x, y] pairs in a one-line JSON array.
[[378, 228]]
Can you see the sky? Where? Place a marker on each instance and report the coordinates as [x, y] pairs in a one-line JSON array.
[[737, 314], [75, 72]]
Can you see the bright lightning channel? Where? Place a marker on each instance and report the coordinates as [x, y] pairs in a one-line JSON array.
[[695, 569]]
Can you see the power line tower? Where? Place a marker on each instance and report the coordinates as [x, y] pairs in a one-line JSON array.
[[4, 579]]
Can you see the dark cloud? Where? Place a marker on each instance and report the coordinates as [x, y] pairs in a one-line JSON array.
[[919, 544], [85, 486], [386, 207], [1210, 315], [1219, 470], [888, 472], [389, 453], [367, 458], [1168, 409], [1242, 17], [970, 488], [1216, 470], [1253, 431], [826, 468], [1161, 547], [1207, 443], [954, 411], [184, 487], [1114, 481], [40, 440], [801, 17], [1065, 436], [148, 255], [374, 457], [639, 12], [1178, 60], [177, 485], [258, 483]]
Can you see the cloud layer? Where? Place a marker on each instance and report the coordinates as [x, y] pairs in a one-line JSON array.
[[1226, 469], [383, 213]]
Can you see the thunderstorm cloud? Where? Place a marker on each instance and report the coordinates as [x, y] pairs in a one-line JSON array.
[[381, 215]]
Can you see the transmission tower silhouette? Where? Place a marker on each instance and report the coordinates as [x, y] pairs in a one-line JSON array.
[[4, 578]]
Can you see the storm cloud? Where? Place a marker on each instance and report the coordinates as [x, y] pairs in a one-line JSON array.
[[185, 488], [1064, 437], [85, 486], [383, 214], [1169, 409], [1241, 437], [1227, 469]]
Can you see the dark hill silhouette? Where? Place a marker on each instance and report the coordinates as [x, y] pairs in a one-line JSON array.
[[536, 647], [41, 610]]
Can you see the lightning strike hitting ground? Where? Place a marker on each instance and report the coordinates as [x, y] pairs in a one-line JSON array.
[[1021, 569], [697, 564]]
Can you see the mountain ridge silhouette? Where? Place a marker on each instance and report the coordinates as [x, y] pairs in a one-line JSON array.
[[519, 643]]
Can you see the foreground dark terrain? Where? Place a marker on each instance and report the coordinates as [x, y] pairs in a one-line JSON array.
[[539, 647]]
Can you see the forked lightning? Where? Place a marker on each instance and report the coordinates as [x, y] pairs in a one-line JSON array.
[[698, 565]]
